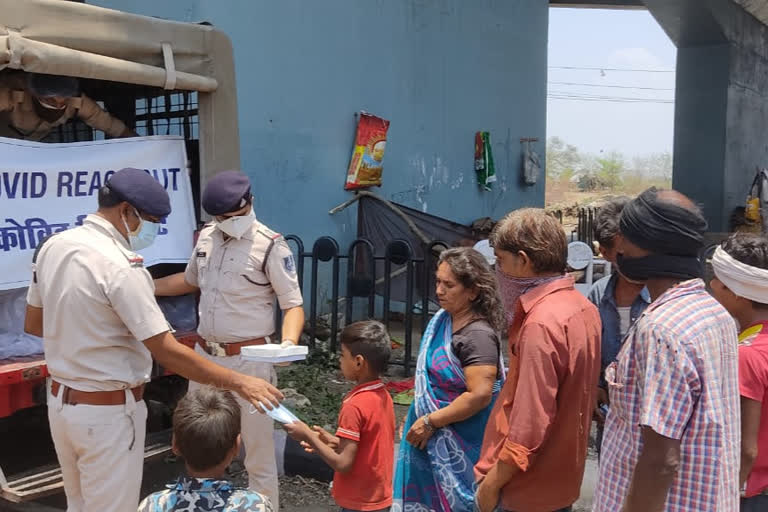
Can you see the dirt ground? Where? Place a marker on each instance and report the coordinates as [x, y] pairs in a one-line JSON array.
[[26, 441], [298, 494]]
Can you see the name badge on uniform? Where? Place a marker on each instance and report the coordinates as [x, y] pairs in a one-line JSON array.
[[290, 264], [136, 261]]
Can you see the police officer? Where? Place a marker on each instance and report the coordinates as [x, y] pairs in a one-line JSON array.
[[241, 266], [92, 301], [35, 103]]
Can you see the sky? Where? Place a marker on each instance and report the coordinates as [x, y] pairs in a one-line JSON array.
[[620, 39]]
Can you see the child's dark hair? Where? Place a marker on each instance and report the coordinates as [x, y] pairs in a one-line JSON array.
[[206, 424], [750, 249], [369, 339]]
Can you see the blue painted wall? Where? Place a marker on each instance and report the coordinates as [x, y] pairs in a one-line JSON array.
[[439, 70]]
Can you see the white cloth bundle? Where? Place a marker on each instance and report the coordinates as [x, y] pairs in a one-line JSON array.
[[742, 279]]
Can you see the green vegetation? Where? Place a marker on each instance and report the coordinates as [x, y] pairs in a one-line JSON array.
[[569, 169], [318, 378]]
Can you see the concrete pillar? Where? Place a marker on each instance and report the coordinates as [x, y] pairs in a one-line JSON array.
[[746, 140], [701, 102], [721, 112]]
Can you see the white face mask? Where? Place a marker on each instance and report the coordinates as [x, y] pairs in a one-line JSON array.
[[144, 235], [279, 413], [49, 106], [236, 227]]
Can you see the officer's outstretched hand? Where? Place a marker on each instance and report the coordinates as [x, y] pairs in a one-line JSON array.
[[259, 392]]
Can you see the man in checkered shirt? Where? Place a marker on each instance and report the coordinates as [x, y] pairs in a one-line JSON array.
[[672, 435]]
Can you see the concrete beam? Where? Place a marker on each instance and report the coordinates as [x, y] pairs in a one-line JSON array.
[[741, 27], [687, 22], [599, 4], [757, 8]]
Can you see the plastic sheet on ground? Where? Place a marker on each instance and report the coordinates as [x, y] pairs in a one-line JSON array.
[[14, 342], [398, 386], [402, 391], [404, 398], [380, 225]]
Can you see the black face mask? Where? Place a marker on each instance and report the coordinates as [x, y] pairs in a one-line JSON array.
[[48, 115], [659, 265]]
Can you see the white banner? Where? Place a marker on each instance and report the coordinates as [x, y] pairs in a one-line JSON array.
[[47, 188]]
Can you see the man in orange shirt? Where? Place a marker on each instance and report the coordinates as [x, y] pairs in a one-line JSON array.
[[535, 443]]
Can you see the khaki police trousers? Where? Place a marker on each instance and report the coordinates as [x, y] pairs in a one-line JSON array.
[[101, 453], [256, 429]]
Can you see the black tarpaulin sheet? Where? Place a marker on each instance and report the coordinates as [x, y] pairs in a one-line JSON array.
[[380, 225]]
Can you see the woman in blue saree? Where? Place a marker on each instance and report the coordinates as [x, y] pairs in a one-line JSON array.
[[458, 376]]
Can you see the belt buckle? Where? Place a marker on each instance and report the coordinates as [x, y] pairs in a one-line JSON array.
[[216, 349]]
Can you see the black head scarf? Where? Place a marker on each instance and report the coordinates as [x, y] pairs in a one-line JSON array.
[[673, 234], [661, 226]]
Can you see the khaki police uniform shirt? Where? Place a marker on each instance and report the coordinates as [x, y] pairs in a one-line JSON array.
[[98, 306], [20, 120], [238, 287]]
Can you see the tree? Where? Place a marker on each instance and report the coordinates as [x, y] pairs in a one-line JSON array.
[[610, 170], [567, 175], [601, 173], [657, 166], [562, 159]]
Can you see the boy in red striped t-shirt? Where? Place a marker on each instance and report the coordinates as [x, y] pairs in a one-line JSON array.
[[362, 451]]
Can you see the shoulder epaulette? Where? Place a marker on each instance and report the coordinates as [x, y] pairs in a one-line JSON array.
[[273, 237]]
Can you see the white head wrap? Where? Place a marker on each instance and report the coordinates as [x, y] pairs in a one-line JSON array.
[[742, 279]]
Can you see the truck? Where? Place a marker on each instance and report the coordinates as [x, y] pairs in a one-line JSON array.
[[159, 77]]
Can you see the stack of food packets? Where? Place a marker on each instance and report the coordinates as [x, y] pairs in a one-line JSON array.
[[274, 354]]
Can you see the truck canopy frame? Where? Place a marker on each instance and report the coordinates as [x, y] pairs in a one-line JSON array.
[[47, 36]]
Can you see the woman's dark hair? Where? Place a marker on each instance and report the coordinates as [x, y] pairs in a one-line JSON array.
[[607, 221], [369, 339], [538, 234], [472, 270]]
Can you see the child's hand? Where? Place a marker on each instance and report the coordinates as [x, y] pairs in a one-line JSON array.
[[307, 447], [326, 437], [299, 431]]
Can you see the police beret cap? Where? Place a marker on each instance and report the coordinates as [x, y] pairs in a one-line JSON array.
[[226, 192], [141, 190], [53, 85]]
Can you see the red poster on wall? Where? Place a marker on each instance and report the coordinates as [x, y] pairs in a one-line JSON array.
[[366, 166]]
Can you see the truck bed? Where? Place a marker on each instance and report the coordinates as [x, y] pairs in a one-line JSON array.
[[22, 383], [22, 379]]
